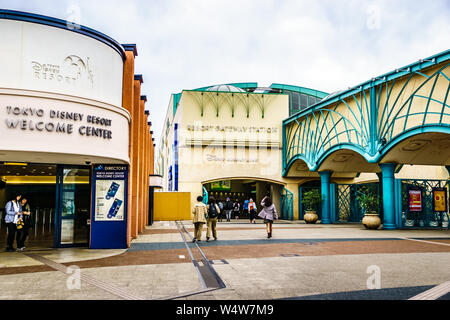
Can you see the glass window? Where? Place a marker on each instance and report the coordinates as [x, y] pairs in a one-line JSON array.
[[75, 205], [312, 100], [303, 101], [295, 102]]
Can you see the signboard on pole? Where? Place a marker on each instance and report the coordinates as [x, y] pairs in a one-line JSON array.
[[415, 200]]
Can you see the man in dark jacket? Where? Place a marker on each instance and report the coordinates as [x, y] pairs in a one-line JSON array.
[[22, 234], [213, 213], [228, 209]]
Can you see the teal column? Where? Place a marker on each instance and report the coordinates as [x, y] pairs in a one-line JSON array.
[[387, 175], [325, 186]]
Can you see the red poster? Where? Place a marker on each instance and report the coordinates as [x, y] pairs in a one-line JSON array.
[[415, 200]]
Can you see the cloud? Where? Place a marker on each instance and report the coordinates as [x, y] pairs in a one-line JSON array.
[[327, 45]]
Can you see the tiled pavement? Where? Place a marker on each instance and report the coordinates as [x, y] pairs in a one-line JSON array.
[[299, 262]]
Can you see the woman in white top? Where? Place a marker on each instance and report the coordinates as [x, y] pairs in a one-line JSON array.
[[13, 212]]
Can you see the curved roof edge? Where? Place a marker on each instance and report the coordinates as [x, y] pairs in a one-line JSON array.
[[241, 85], [62, 24], [394, 74]]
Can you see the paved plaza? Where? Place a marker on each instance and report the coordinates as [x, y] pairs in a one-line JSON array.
[[300, 261]]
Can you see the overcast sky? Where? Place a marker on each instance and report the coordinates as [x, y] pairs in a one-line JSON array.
[[321, 44]]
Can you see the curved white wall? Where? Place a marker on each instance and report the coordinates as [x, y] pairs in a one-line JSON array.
[[49, 59], [45, 70]]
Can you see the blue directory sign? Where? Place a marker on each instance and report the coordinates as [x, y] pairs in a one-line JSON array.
[[109, 221]]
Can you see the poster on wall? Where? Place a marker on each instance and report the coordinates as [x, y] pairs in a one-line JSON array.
[[110, 193], [224, 185], [439, 200], [415, 200]]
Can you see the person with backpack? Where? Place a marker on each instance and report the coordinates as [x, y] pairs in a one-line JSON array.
[[236, 209], [228, 209], [245, 208], [199, 219], [269, 214], [213, 212], [252, 209]]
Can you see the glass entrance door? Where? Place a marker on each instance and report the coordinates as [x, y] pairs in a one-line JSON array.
[[73, 205]]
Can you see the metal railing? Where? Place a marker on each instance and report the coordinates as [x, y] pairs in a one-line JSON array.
[[287, 205]]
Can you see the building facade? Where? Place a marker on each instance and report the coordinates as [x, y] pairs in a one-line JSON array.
[[74, 136], [387, 138], [226, 140]]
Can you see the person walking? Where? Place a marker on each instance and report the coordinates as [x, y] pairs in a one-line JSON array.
[[200, 213], [22, 233], [228, 209], [245, 208], [269, 214], [252, 209], [220, 204], [213, 212], [236, 209], [13, 211]]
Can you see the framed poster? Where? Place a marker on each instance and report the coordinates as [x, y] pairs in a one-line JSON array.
[[439, 200], [224, 185], [414, 200], [110, 193], [109, 213]]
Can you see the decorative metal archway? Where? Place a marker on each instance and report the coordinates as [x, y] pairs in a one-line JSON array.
[[372, 118]]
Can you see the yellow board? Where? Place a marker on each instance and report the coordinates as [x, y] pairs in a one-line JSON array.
[[172, 206], [440, 200]]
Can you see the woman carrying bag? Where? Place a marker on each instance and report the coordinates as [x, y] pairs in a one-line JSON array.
[[13, 212], [269, 214]]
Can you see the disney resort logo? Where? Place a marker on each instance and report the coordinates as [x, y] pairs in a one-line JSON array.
[[73, 70]]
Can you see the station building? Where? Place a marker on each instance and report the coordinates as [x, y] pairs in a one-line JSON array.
[[75, 139], [226, 140], [389, 137]]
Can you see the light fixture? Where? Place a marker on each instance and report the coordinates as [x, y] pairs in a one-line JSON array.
[[15, 164]]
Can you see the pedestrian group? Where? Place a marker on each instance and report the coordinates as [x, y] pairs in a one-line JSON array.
[[211, 213], [18, 221]]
